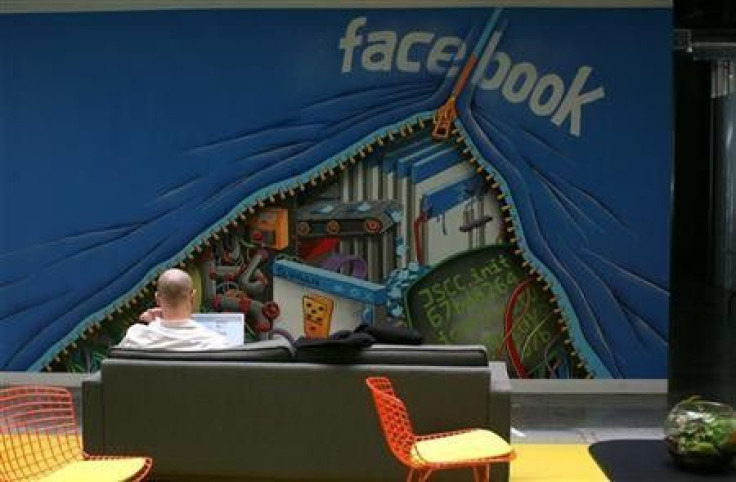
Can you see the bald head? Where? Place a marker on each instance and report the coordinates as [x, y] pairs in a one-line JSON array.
[[174, 289]]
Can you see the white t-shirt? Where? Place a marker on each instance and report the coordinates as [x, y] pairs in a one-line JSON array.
[[179, 335]]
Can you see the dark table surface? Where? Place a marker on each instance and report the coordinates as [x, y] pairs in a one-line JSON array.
[[646, 460]]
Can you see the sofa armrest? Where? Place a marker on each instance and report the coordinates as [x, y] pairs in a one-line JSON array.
[[499, 400], [93, 422], [499, 412]]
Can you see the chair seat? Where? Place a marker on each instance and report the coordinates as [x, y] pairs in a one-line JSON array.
[[456, 448], [117, 470]]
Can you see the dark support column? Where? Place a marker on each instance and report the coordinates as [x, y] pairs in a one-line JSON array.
[[703, 288], [702, 305], [724, 224]]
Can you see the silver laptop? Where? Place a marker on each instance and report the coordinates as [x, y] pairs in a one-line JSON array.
[[229, 325]]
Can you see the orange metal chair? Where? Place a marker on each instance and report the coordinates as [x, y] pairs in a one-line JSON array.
[[424, 454], [39, 440]]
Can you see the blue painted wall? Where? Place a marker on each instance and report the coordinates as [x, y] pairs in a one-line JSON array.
[[127, 137]]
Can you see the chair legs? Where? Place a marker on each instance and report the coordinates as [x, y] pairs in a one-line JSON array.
[[482, 473], [422, 475]]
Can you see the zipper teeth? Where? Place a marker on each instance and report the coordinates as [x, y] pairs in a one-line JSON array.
[[325, 174], [511, 231], [233, 221]]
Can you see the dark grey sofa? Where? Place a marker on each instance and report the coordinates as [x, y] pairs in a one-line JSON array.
[[263, 413]]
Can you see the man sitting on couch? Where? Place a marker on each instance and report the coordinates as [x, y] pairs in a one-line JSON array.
[[170, 326]]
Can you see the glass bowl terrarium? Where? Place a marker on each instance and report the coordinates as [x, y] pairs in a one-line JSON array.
[[701, 435]]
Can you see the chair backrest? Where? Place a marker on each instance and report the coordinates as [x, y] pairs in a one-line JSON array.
[[394, 418], [38, 431]]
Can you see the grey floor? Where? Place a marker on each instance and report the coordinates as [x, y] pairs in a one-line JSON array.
[[586, 418]]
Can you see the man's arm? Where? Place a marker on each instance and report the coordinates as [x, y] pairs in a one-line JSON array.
[[150, 315]]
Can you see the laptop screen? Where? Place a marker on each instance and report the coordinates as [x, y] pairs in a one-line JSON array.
[[229, 325]]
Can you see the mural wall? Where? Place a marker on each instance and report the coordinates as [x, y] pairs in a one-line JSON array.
[[484, 175]]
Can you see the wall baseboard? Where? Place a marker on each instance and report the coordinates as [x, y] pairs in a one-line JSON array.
[[612, 386], [603, 386], [69, 380]]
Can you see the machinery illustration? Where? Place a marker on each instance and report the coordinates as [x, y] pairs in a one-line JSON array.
[[316, 302], [363, 218], [270, 228], [317, 315], [365, 230], [233, 281]]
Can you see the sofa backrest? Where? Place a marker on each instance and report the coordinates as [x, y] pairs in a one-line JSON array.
[[264, 351], [281, 350], [422, 355], [276, 420]]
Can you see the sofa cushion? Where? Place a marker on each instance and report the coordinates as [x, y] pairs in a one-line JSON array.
[[278, 350], [423, 355]]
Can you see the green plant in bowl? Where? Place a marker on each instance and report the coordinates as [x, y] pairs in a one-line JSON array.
[[701, 434]]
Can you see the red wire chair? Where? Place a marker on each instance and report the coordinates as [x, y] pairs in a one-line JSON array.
[[424, 454], [39, 439]]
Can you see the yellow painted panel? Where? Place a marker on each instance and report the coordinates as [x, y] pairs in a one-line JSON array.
[[554, 463]]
